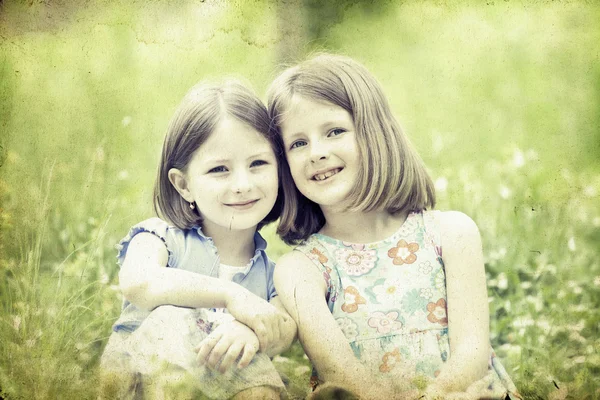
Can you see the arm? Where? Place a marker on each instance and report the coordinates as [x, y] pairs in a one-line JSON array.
[[287, 331], [468, 315], [146, 282], [302, 290]]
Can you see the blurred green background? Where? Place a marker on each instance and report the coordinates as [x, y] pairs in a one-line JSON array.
[[501, 98]]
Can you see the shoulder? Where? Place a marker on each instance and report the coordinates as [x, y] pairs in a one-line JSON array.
[[455, 224], [296, 270], [151, 233], [295, 265], [461, 239], [293, 260]]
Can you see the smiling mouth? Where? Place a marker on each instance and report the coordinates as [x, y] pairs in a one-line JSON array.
[[242, 205], [326, 175]]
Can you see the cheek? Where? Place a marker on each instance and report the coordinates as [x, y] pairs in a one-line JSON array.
[[295, 164], [267, 179]]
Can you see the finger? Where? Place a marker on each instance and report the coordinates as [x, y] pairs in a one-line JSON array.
[[231, 356], [249, 353], [217, 353], [261, 332], [206, 347]]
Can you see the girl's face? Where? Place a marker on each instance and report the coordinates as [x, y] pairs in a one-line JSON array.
[[321, 149], [232, 177]]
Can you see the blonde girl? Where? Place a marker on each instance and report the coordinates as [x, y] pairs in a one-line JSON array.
[[200, 304], [389, 297]]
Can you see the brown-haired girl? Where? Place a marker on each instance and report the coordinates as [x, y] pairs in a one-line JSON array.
[[199, 295], [380, 310]]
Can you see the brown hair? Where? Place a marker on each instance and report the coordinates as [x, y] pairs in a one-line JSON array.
[[393, 176], [194, 121]]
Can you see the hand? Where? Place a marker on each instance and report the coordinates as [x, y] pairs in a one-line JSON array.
[[226, 344], [263, 318]]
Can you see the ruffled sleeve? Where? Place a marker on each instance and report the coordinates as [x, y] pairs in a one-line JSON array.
[[161, 229]]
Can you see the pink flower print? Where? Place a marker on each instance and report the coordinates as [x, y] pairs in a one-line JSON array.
[[355, 246], [385, 323], [404, 253], [390, 360], [438, 313], [203, 325], [356, 262], [352, 299]]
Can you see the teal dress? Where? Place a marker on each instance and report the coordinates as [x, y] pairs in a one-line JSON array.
[[389, 300]]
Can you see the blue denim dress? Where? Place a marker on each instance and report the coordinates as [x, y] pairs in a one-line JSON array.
[[160, 343]]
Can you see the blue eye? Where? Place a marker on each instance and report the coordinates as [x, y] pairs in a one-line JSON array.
[[218, 169], [258, 163], [336, 132], [298, 143]]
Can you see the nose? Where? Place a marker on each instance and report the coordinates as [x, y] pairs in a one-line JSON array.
[[318, 151], [242, 182]]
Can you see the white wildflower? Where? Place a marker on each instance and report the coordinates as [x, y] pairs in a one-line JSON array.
[[525, 285], [538, 304], [518, 159], [122, 175], [523, 322], [505, 192], [502, 281], [571, 244], [544, 325], [441, 184], [126, 121]]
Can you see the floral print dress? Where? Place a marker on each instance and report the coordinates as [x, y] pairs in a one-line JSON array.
[[389, 299]]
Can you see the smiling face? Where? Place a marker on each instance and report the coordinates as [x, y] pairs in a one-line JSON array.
[[321, 149], [231, 178]]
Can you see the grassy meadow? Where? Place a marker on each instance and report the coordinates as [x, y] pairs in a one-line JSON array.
[[501, 99]]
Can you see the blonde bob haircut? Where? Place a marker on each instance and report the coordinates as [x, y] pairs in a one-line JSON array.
[[203, 107], [393, 176]]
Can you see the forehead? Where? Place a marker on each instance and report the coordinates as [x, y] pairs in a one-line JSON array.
[[302, 113], [233, 139]]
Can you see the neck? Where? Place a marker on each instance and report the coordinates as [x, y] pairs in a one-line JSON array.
[[236, 247], [361, 227]]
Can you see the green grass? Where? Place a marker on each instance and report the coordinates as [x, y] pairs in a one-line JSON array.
[[501, 100]]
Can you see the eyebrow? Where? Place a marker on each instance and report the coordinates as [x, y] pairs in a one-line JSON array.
[[332, 122], [263, 154]]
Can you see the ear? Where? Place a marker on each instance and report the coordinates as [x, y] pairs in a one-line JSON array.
[[179, 182]]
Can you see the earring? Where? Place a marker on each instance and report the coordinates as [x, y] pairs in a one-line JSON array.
[[192, 206]]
